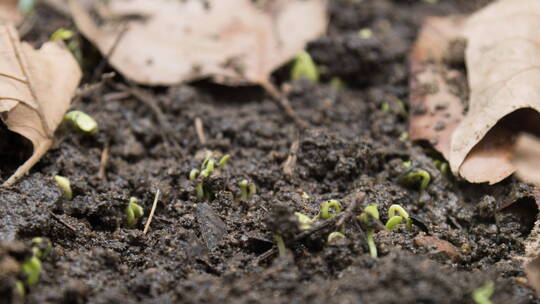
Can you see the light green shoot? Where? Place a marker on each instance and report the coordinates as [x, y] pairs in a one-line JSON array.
[[365, 33], [304, 67], [247, 190], [82, 122], [334, 236], [43, 243], [370, 212], [325, 209], [407, 164], [442, 166], [337, 83], [280, 245], [19, 288], [32, 270], [65, 186], [394, 220], [133, 212], [417, 177], [482, 294], [223, 161], [208, 166], [304, 220], [62, 34]]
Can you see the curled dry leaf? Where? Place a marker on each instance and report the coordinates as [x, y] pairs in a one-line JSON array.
[[36, 86], [9, 12], [502, 59], [234, 42], [527, 159]]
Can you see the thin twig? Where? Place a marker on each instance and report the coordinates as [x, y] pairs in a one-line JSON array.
[[149, 220], [61, 221], [290, 163], [102, 173], [283, 102], [200, 130], [104, 60]]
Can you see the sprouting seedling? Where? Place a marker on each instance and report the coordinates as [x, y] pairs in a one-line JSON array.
[[369, 214], [334, 236], [65, 186], [207, 168], [81, 121], [247, 190], [394, 220], [280, 245], [304, 67], [42, 247], [19, 288], [72, 44], [62, 34], [418, 177], [482, 294], [365, 33], [442, 166], [325, 213], [32, 270], [304, 220], [133, 212]]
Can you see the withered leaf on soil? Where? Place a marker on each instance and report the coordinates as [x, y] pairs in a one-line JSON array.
[[502, 59], [163, 42], [36, 88]]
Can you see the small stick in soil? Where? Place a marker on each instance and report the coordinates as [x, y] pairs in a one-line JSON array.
[[290, 163], [149, 220], [64, 223], [102, 173], [284, 103], [200, 130]]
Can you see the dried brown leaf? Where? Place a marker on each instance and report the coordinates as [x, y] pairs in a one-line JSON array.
[[9, 12], [436, 110], [36, 88], [503, 60], [527, 159], [163, 42]]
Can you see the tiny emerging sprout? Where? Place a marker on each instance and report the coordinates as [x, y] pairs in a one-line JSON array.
[[247, 190], [82, 122], [304, 220], [442, 166], [335, 235], [416, 177], [370, 212], [194, 174], [223, 161], [32, 270], [282, 250], [365, 33], [65, 186], [42, 248], [19, 288], [133, 212], [62, 34], [394, 220], [482, 294], [304, 67], [325, 209]]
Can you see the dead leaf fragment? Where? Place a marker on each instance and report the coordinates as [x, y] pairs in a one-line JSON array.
[[9, 12], [36, 88], [527, 159], [439, 246], [163, 42], [502, 58], [532, 270], [436, 109]]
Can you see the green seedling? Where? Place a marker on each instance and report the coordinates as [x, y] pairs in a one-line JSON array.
[[62, 34], [365, 33], [418, 177], [394, 220], [407, 164], [247, 190], [19, 288], [325, 209], [65, 186], [133, 212], [442, 166], [404, 136], [207, 168], [369, 214], [337, 83], [304, 220], [385, 107], [482, 294], [81, 121], [282, 250], [68, 37], [42, 247], [304, 67], [335, 235], [32, 270]]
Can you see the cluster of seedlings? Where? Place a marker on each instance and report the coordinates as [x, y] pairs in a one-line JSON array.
[[200, 176], [31, 268]]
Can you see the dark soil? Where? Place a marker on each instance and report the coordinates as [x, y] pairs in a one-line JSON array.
[[221, 250]]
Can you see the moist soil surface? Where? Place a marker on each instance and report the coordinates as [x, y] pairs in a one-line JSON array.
[[222, 248]]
